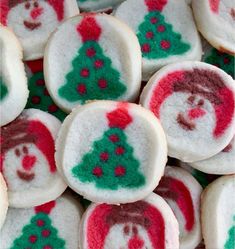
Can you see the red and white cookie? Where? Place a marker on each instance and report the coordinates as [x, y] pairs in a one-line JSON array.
[[195, 104], [182, 192], [162, 37], [218, 213], [215, 19], [34, 20], [92, 57], [27, 159], [97, 5], [13, 81], [149, 223], [54, 225], [111, 152], [3, 200]]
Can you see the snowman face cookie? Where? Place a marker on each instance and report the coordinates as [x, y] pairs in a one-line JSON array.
[[34, 20], [27, 159], [97, 5], [3, 200], [149, 223], [195, 104]]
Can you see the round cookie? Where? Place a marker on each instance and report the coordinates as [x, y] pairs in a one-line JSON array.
[[39, 97], [215, 19], [3, 200], [162, 37], [182, 192], [27, 159], [91, 5], [195, 104], [218, 213], [111, 152], [54, 225], [34, 20], [102, 61], [13, 82], [149, 223]]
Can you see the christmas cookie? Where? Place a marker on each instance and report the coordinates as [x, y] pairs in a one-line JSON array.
[[149, 223], [27, 159], [215, 19], [94, 5], [34, 20], [3, 200], [13, 82], [92, 57], [162, 37], [39, 97], [111, 152], [182, 192], [218, 214], [54, 225], [195, 104]]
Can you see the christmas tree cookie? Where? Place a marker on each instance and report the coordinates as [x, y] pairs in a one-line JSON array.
[[195, 104], [53, 225], [182, 192], [215, 20], [111, 152], [34, 20], [149, 223], [97, 5], [103, 61], [162, 37], [13, 82], [218, 213], [39, 97], [3, 200], [27, 159]]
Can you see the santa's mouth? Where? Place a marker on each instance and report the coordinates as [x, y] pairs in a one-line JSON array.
[[25, 176], [184, 123], [32, 25]]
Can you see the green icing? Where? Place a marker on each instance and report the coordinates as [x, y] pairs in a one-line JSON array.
[[230, 243], [157, 38], [109, 174], [100, 80], [3, 89], [39, 97], [37, 236], [222, 60]]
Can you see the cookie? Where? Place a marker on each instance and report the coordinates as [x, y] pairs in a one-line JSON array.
[[54, 225], [162, 37], [149, 223], [218, 213], [102, 61], [215, 20], [34, 20], [97, 5], [182, 192], [13, 82], [195, 104], [111, 152], [27, 159], [39, 97], [3, 200]]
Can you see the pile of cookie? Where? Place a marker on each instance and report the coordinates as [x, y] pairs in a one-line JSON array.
[[117, 124]]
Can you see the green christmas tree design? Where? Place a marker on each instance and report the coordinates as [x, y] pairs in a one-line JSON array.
[[3, 89], [230, 243], [92, 76], [111, 164], [156, 37]]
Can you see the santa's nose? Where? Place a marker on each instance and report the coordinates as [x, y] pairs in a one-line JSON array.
[[135, 243], [196, 113], [28, 162], [36, 12]]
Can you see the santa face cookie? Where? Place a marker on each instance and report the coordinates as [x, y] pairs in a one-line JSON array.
[[102, 61], [34, 20], [27, 159], [3, 200], [218, 213], [54, 225], [39, 97], [13, 82], [215, 19], [91, 5], [195, 104], [163, 39], [149, 223], [182, 192], [111, 152]]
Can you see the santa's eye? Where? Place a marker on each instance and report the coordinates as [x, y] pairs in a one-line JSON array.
[[25, 150], [17, 152], [135, 230], [27, 6], [35, 4], [200, 102], [126, 230], [191, 99]]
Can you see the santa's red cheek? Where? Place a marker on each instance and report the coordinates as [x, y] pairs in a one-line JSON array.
[[196, 113], [28, 162]]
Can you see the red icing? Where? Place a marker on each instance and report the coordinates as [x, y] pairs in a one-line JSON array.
[[154, 20], [28, 162], [81, 88], [46, 233], [165, 44], [33, 239], [135, 243], [35, 66], [145, 48], [89, 29], [102, 83], [196, 113], [90, 52], [40, 223], [154, 5], [214, 5], [120, 170], [119, 150], [45, 208], [114, 138], [97, 171], [161, 28], [36, 12], [98, 63], [149, 35], [104, 156], [52, 108], [36, 99], [85, 72]]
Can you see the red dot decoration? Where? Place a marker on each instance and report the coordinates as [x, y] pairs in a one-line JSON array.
[[114, 138], [226, 60], [104, 156], [85, 72], [46, 233], [120, 170], [45, 92], [119, 150], [47, 247], [97, 171], [90, 52], [33, 238], [161, 28], [145, 48], [98, 63], [81, 88], [165, 44], [40, 82], [102, 83], [149, 35], [153, 20], [36, 100], [52, 108], [40, 223]]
